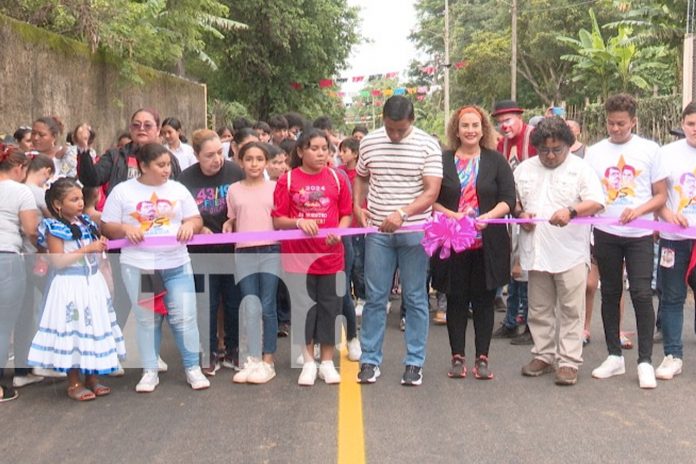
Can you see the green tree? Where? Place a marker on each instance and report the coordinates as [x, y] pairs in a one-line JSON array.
[[614, 64], [287, 41]]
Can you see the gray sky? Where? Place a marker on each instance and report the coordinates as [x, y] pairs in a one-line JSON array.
[[387, 23]]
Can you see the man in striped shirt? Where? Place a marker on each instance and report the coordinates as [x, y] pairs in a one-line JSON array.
[[399, 171]]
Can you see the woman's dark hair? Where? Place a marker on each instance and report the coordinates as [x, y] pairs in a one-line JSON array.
[[55, 126], [90, 195], [242, 134], [41, 161], [261, 146], [241, 123], [288, 146], [150, 152], [351, 143], [221, 130], [294, 120], [304, 142], [554, 128], [92, 134], [176, 125], [10, 156], [58, 191], [21, 133], [151, 111], [323, 123], [398, 108]]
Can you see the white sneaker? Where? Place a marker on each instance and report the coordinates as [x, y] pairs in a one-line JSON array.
[[669, 367], [354, 350], [317, 354], [328, 373], [148, 382], [646, 375], [161, 365], [118, 372], [19, 381], [41, 372], [359, 305], [263, 373], [250, 366], [195, 378], [613, 365], [308, 374]]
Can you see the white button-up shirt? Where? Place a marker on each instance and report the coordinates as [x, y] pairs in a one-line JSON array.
[[543, 191]]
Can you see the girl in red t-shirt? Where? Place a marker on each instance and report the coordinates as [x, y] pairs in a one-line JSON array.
[[310, 197]]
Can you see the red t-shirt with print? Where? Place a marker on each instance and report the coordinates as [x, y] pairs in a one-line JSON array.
[[324, 197]]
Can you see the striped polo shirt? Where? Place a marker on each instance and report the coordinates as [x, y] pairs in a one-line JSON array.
[[396, 171]]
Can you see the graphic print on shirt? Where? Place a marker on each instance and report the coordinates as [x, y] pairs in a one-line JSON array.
[[686, 189], [619, 183], [154, 215], [311, 202], [212, 200]]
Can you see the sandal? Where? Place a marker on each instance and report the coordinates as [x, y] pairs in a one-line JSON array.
[[79, 392], [8, 394], [99, 389]]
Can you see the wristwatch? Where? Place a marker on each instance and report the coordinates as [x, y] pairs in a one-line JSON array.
[[403, 214], [573, 212]]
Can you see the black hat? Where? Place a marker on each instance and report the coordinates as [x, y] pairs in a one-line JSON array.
[[506, 106]]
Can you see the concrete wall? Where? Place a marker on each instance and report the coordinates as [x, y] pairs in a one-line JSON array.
[[42, 73]]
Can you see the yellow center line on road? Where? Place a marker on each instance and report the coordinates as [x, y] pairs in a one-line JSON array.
[[351, 435]]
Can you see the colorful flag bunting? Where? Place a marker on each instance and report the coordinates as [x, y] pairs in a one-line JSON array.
[[325, 83]]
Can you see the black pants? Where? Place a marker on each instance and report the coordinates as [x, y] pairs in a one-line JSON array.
[[611, 251], [457, 320]]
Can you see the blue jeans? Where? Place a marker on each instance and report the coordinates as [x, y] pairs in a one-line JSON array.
[[672, 283], [383, 253], [258, 269], [516, 304], [348, 305], [12, 285], [181, 306], [357, 270]]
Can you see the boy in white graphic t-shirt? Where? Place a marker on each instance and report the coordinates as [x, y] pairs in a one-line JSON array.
[[634, 183]]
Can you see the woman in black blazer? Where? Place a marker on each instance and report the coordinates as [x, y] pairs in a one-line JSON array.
[[477, 181]]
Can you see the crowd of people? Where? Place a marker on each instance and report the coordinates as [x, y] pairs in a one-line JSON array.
[[63, 203]]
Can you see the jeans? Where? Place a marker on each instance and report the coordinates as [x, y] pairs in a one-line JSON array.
[[28, 320], [258, 269], [383, 253], [223, 287], [348, 305], [12, 285], [611, 252], [517, 305], [181, 306], [672, 283], [357, 270]]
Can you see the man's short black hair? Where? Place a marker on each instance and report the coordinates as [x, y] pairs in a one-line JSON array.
[[295, 120], [323, 123], [278, 122], [554, 128], [398, 108], [689, 109], [621, 102]]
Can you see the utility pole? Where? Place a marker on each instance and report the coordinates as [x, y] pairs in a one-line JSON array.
[[447, 63], [689, 74], [513, 62]]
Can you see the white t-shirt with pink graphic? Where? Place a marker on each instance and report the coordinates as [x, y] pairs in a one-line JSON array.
[[679, 158], [157, 210], [627, 172]]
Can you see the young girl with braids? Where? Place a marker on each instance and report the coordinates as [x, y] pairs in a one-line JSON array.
[[78, 332]]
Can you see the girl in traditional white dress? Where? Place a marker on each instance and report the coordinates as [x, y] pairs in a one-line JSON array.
[[78, 332]]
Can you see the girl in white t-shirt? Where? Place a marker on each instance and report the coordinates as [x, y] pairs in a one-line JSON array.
[[176, 143], [249, 206], [147, 206]]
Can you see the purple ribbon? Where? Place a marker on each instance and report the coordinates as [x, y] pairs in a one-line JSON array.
[[455, 236], [448, 235]]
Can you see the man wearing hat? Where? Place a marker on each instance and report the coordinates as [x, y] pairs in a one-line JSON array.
[[516, 147]]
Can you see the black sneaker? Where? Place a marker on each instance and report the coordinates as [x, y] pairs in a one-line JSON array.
[[505, 332], [525, 338], [413, 376], [283, 329], [368, 373]]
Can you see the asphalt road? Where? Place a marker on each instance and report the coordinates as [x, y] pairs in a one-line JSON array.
[[509, 419]]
